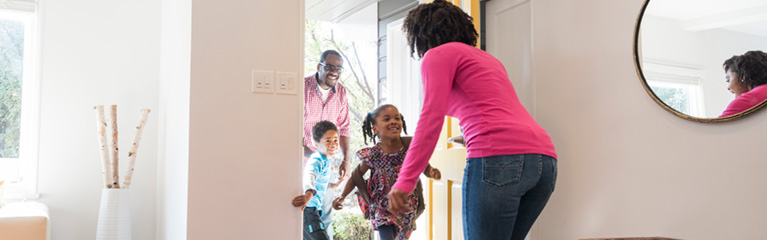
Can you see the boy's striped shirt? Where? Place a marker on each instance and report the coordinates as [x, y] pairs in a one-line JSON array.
[[317, 177]]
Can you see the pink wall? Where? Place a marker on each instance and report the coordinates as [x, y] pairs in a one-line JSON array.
[[626, 166]]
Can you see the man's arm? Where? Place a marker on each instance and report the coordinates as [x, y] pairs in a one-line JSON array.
[[343, 169], [307, 152]]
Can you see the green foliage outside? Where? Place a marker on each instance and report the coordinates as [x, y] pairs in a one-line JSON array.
[[676, 98], [349, 225], [11, 59]]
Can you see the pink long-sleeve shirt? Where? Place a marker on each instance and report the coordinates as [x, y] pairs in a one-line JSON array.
[[467, 83], [746, 100]]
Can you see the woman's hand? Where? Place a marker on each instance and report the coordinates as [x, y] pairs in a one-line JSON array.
[[338, 204], [398, 202]]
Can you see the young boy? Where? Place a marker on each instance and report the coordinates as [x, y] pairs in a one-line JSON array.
[[316, 180]]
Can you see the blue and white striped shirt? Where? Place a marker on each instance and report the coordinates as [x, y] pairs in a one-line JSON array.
[[317, 177]]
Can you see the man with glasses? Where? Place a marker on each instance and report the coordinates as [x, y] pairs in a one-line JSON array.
[[325, 99]]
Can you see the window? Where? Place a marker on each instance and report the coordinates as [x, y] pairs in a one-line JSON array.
[[684, 97], [19, 94], [679, 87]]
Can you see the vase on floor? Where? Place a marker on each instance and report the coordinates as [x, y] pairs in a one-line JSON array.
[[114, 215]]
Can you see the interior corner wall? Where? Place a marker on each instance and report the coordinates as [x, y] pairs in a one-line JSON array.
[[628, 168], [245, 149], [96, 53], [173, 115]]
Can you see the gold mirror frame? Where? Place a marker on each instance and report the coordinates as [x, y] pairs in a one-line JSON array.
[[663, 104]]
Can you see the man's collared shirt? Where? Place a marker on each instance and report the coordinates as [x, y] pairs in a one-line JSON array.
[[335, 109]]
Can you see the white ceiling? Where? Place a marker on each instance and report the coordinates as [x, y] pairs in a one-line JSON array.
[[334, 10], [747, 16]]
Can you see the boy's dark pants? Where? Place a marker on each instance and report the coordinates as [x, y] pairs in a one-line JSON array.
[[314, 229]]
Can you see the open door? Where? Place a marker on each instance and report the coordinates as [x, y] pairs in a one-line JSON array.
[[443, 216], [444, 199]]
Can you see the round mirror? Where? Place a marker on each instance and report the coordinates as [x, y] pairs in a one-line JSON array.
[[680, 47]]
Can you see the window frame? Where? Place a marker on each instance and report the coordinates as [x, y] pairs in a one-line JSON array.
[[26, 186], [664, 74]]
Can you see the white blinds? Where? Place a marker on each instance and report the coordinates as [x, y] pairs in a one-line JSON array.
[[18, 5]]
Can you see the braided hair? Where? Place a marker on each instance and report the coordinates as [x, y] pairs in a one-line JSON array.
[[370, 121], [433, 24], [751, 68]]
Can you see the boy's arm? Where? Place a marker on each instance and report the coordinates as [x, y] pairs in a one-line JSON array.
[[310, 176], [308, 179], [303, 200]]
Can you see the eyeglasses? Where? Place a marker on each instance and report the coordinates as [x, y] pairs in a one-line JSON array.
[[330, 68]]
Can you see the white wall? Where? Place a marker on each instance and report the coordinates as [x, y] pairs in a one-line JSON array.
[[173, 115], [244, 150], [666, 40], [626, 166], [96, 52]]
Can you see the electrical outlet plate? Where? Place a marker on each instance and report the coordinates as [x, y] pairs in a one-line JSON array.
[[262, 81], [286, 83]]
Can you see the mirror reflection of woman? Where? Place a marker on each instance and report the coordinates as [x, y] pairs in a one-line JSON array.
[[747, 76]]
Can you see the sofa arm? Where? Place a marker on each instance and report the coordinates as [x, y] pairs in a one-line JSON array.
[[24, 221]]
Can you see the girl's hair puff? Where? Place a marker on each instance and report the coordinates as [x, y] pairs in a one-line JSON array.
[[370, 121]]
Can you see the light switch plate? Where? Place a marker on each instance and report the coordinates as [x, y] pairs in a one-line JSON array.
[[262, 81], [286, 83]]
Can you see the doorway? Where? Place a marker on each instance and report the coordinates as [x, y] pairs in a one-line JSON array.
[[350, 28]]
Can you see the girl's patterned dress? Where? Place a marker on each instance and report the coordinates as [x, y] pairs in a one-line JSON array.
[[384, 171]]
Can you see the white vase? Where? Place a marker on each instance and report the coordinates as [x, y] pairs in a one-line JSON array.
[[114, 215]]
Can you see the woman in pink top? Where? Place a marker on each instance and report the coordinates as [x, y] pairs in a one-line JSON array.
[[511, 167], [747, 75]]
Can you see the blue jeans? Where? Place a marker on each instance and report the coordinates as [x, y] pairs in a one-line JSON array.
[[327, 211], [314, 229], [387, 232], [503, 195]]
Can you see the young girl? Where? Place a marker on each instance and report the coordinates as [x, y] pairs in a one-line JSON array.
[[384, 160]]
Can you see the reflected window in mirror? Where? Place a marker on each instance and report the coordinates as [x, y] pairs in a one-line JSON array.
[[680, 47], [679, 87]]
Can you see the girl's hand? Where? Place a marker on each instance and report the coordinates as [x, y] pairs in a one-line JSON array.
[[434, 173], [302, 200], [457, 139], [338, 203], [398, 203]]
